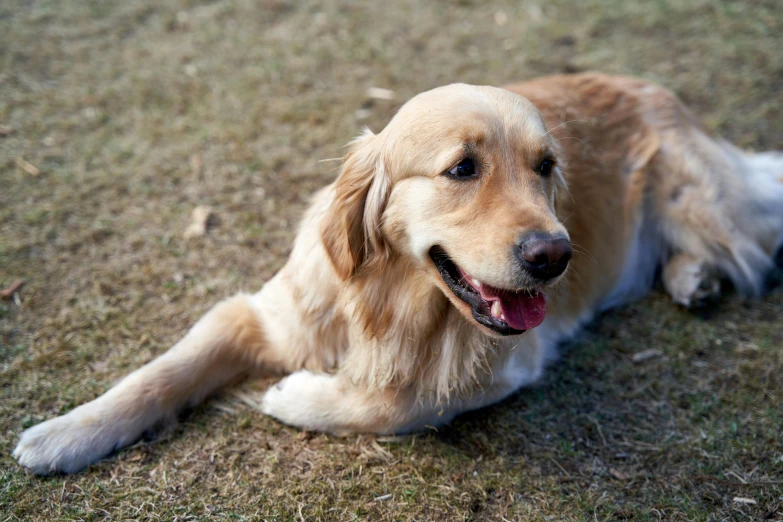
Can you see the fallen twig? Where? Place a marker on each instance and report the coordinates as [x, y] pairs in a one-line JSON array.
[[27, 166], [645, 355], [9, 291]]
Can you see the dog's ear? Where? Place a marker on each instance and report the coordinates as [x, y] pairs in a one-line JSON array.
[[351, 229]]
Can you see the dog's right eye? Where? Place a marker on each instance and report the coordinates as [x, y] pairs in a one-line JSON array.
[[463, 170]]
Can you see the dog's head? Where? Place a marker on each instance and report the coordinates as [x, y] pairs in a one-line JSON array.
[[461, 183]]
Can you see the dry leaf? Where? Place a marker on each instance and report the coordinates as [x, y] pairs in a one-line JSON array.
[[199, 220], [379, 93]]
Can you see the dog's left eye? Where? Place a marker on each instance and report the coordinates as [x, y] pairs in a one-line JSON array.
[[545, 169], [464, 169]]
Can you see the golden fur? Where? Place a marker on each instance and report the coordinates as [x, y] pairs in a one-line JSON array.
[[371, 334]]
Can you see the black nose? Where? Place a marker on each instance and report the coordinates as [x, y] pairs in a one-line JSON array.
[[543, 255]]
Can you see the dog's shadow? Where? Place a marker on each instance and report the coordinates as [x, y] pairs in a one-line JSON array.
[[575, 411], [623, 390]]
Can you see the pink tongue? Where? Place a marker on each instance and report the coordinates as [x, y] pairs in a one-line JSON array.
[[521, 310]]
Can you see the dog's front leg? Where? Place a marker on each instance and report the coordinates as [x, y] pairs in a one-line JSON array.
[[224, 344], [331, 403]]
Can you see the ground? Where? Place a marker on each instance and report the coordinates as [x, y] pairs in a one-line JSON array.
[[118, 118]]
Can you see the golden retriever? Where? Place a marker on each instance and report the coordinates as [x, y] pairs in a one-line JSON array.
[[456, 248]]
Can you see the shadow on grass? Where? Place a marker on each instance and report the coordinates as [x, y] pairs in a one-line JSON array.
[[693, 411]]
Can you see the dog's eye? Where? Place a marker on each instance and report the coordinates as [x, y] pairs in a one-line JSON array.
[[545, 169], [464, 169]]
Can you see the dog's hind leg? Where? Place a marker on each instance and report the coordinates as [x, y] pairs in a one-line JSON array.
[[719, 210], [690, 280], [225, 344]]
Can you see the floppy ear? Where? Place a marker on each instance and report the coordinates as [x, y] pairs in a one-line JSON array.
[[350, 231]]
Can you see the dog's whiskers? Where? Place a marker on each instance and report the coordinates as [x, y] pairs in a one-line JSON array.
[[564, 123], [568, 138], [580, 249], [568, 217]]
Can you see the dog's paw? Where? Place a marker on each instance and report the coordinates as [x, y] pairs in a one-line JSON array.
[[66, 444], [689, 281], [301, 400]]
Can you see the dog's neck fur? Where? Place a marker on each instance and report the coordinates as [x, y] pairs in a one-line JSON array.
[[398, 335]]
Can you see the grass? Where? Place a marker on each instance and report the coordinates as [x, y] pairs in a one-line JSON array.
[[136, 112]]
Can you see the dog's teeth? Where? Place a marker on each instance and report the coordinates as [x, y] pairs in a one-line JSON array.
[[476, 283], [496, 311]]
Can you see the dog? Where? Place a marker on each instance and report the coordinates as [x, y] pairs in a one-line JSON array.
[[455, 249]]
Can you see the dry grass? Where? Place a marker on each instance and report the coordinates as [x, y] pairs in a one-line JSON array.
[[136, 112]]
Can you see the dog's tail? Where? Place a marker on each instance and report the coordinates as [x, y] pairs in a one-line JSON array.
[[769, 166], [226, 343], [758, 212]]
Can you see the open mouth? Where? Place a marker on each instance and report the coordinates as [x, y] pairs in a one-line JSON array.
[[505, 312]]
